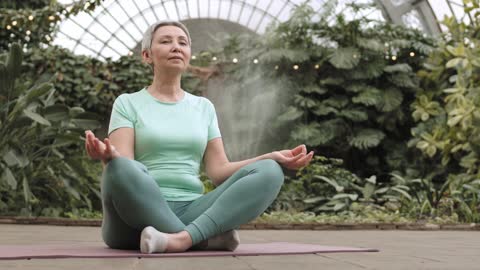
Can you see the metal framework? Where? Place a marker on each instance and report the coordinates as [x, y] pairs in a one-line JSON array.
[[117, 26]]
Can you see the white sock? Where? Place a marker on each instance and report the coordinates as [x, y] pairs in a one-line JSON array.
[[228, 240], [153, 241]]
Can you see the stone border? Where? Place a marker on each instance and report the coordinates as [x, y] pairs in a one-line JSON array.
[[265, 226]]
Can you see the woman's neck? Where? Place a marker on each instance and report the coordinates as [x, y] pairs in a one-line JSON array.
[[166, 88]]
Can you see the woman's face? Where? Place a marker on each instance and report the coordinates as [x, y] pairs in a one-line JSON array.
[[170, 49]]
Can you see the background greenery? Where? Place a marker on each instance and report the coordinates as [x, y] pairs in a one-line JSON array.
[[391, 113]]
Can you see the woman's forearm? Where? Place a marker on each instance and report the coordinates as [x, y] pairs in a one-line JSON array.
[[225, 171]]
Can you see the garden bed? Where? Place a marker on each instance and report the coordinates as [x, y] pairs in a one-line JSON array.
[[264, 226]]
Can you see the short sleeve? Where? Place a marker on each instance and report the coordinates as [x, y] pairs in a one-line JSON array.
[[121, 116], [213, 130]]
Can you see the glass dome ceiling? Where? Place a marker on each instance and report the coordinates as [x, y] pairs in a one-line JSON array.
[[115, 28]]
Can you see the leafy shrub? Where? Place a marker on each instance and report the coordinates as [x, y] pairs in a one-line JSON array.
[[36, 141], [343, 97]]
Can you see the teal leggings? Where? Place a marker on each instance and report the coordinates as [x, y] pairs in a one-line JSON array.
[[132, 200]]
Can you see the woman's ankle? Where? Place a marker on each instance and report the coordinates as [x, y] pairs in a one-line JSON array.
[[179, 242]]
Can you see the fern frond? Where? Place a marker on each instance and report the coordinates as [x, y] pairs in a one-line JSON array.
[[370, 69], [392, 99], [345, 58], [370, 44], [370, 96], [324, 110], [336, 101], [403, 80], [304, 102], [405, 68], [313, 88], [355, 115], [366, 138], [291, 114]]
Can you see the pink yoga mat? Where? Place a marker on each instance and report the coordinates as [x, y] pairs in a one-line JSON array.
[[12, 252]]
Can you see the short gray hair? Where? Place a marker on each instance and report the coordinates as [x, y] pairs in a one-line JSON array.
[[148, 35]]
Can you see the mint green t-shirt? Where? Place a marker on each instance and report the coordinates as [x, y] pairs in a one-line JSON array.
[[170, 138]]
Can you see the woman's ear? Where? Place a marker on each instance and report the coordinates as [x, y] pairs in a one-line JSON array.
[[146, 56]]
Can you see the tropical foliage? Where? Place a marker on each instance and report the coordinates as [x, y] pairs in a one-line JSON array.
[[347, 84], [36, 139]]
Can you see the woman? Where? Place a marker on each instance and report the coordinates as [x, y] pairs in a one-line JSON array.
[[152, 197]]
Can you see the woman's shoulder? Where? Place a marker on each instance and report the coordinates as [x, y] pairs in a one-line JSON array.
[[199, 100]]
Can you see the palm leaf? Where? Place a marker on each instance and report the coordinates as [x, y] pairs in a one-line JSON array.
[[345, 58], [366, 138]]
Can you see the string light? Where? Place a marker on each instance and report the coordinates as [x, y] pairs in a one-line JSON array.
[[235, 60], [412, 54], [28, 32], [47, 37], [354, 56], [295, 67], [51, 18], [255, 61], [394, 57], [14, 23], [30, 18], [276, 66], [214, 58], [194, 57], [317, 66], [9, 27], [12, 35]]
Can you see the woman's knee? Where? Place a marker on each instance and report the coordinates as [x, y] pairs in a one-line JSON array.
[[271, 171], [120, 170]]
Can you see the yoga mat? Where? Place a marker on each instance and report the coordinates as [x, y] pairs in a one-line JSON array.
[[13, 252]]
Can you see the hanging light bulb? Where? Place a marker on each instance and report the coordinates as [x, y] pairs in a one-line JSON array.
[[255, 61], [194, 57], [51, 18], [412, 54], [276, 66], [394, 57], [28, 32], [9, 27], [295, 67], [14, 23], [214, 58], [30, 18], [317, 66], [235, 60]]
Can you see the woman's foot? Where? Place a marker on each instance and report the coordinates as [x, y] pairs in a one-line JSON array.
[[228, 240], [153, 241]]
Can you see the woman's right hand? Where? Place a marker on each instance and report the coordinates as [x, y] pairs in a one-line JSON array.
[[99, 150]]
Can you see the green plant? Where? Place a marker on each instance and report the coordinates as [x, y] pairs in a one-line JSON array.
[[36, 141], [458, 196], [339, 93], [447, 111]]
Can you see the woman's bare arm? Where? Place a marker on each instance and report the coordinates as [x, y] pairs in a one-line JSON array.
[[123, 139]]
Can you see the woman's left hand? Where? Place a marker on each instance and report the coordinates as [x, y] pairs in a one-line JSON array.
[[293, 159]]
